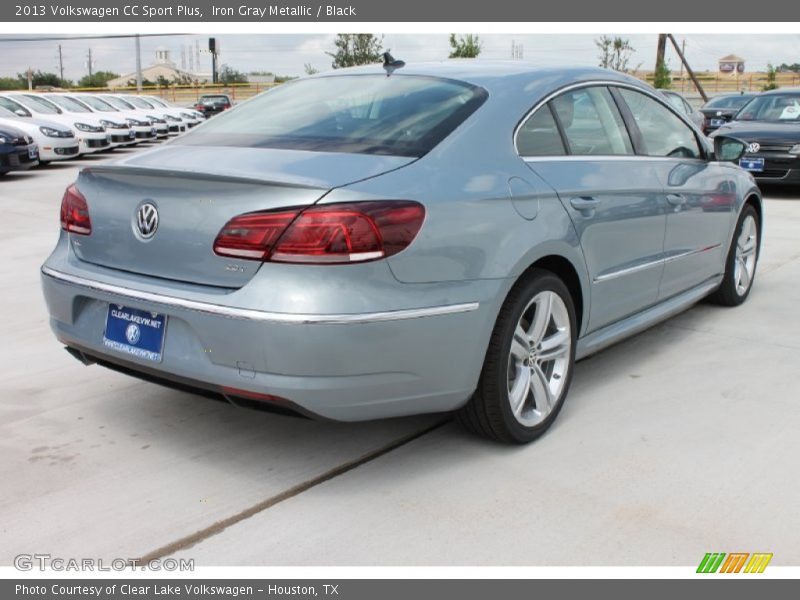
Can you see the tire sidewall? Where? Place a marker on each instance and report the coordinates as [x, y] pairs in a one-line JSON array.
[[539, 282]]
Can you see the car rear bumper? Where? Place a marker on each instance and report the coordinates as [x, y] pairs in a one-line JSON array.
[[341, 366]]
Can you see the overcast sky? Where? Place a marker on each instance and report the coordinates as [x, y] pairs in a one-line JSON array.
[[286, 54]]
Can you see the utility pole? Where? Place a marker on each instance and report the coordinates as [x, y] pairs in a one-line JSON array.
[[138, 64], [661, 49], [688, 68], [89, 61], [683, 49], [60, 63]]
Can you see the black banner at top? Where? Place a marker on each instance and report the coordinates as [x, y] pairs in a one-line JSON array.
[[355, 11]]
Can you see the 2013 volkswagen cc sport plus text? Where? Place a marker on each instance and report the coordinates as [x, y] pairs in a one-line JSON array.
[[391, 240]]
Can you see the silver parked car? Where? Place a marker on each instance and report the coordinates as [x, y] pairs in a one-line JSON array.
[[376, 242]]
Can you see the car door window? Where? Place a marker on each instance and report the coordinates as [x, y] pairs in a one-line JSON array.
[[592, 123], [539, 136], [663, 132]]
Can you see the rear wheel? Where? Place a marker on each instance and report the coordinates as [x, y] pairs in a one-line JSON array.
[[528, 365], [740, 267]]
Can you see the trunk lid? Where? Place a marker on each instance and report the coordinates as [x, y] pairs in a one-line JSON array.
[[196, 190]]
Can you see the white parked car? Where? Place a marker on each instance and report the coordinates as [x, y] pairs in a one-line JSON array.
[[91, 133], [120, 131], [147, 112], [190, 116], [143, 128], [55, 141]]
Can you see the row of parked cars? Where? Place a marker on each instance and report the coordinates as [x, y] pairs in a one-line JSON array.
[[38, 128], [768, 122]]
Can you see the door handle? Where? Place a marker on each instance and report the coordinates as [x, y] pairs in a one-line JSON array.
[[676, 199], [586, 204]]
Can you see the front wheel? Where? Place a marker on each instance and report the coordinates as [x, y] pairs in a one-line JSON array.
[[528, 365], [740, 266]]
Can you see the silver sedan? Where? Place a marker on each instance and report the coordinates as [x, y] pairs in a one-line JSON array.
[[384, 241]]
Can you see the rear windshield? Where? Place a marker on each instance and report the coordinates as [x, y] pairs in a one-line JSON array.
[[214, 99], [365, 114], [728, 102]]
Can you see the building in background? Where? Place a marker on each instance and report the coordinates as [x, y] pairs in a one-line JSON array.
[[731, 64], [161, 72]]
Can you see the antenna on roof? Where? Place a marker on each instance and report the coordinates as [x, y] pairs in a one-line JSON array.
[[390, 63]]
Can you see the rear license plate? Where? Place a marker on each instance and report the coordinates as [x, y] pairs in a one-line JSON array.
[[33, 152], [717, 122], [752, 164], [136, 332]]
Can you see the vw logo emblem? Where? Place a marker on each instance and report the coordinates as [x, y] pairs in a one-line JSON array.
[[132, 334], [147, 220], [754, 147]]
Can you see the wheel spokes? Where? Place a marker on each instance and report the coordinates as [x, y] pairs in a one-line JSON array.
[[554, 346], [520, 390], [540, 386], [541, 317]]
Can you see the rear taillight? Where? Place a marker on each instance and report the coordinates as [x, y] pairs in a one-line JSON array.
[[333, 233], [75, 212]]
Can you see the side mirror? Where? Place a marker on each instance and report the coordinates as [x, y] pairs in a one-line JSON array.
[[21, 113], [728, 148]]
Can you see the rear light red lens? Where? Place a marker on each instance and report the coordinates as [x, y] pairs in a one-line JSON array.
[[75, 212], [252, 235], [334, 233]]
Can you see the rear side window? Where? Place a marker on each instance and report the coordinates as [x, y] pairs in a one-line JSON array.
[[592, 123], [663, 132], [539, 136], [401, 115]]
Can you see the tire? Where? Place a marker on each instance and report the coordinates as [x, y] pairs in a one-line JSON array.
[[740, 265], [511, 403]]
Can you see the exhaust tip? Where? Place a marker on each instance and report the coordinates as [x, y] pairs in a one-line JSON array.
[[77, 354]]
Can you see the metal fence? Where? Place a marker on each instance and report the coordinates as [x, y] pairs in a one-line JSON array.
[[713, 83]]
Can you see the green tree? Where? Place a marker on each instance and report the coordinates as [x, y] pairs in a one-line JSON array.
[[44, 79], [354, 49], [772, 74], [227, 75], [615, 53], [466, 46], [794, 68], [662, 78], [97, 80], [12, 83], [309, 69]]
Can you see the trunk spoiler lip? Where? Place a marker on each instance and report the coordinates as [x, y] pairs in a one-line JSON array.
[[202, 175]]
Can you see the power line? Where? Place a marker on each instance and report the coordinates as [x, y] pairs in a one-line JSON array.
[[86, 37]]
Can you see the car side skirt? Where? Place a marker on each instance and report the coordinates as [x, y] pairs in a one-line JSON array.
[[616, 332]]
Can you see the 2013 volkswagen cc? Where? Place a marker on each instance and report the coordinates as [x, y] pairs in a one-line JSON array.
[[377, 242]]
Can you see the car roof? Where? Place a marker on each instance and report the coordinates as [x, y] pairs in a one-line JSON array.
[[498, 75], [792, 90]]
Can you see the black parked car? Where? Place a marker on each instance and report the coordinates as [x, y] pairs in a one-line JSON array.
[[17, 150], [721, 109], [212, 104], [770, 125]]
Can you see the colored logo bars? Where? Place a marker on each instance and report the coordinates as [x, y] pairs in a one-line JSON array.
[[714, 562]]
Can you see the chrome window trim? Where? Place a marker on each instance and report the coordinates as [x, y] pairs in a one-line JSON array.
[[258, 315], [653, 263], [602, 82]]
